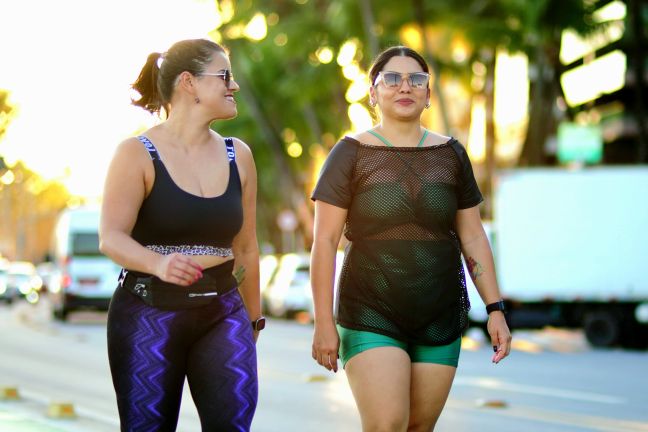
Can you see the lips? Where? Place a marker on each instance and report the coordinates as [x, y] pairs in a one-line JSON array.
[[404, 101], [230, 98]]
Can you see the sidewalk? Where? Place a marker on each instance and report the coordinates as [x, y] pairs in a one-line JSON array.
[[25, 415], [14, 422]]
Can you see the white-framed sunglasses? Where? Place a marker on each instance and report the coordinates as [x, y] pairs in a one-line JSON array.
[[416, 80], [225, 75]]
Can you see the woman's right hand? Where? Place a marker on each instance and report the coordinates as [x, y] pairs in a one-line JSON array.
[[326, 343], [178, 269]]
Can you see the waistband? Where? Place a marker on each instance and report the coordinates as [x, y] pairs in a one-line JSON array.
[[153, 291], [216, 272]]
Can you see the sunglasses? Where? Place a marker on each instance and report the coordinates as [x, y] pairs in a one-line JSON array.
[[225, 74], [416, 80]]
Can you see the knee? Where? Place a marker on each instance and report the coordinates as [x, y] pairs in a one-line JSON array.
[[422, 423], [386, 424]]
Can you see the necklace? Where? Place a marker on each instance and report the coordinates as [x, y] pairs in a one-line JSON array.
[[388, 144]]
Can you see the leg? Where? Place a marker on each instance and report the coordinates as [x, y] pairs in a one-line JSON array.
[[433, 371], [222, 371], [430, 388], [146, 363], [380, 382]]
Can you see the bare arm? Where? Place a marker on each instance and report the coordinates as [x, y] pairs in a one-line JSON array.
[[245, 245], [124, 192], [329, 223], [479, 260]]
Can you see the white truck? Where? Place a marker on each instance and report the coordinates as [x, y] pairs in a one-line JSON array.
[[571, 250], [85, 278]]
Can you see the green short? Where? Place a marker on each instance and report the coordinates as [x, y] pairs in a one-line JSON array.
[[354, 342]]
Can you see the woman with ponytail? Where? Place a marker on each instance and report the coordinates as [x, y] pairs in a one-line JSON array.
[[178, 215]]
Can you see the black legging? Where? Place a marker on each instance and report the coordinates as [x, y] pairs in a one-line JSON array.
[[152, 350]]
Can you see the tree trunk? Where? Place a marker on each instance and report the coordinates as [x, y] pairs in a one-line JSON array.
[[419, 13], [489, 93], [543, 93], [292, 196], [639, 71], [369, 22]]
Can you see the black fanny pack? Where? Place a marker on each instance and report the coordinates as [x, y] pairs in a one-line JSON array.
[[164, 295]]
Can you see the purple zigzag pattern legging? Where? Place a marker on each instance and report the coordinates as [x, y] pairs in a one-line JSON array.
[[151, 351]]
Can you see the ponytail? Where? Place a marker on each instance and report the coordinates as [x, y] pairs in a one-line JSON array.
[[158, 78], [147, 85]]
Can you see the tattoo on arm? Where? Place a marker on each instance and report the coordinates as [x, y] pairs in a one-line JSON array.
[[474, 268], [239, 274]]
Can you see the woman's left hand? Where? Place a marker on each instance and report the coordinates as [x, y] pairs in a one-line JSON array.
[[500, 335]]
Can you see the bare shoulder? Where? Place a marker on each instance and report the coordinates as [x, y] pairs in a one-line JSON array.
[[242, 150], [133, 151], [365, 137], [434, 138]]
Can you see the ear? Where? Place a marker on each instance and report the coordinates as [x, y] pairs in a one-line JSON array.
[[373, 96], [187, 82]]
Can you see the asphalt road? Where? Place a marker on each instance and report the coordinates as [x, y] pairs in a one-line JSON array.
[[552, 382]]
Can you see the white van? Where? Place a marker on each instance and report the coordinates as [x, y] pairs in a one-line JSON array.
[[86, 277]]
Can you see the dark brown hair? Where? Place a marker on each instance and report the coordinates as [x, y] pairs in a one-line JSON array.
[[395, 51], [158, 77]]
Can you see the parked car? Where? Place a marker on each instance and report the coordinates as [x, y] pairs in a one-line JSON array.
[[6, 295], [22, 280], [48, 273], [268, 265], [289, 291]]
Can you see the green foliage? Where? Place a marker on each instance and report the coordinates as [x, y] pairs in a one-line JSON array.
[[283, 86], [6, 112]]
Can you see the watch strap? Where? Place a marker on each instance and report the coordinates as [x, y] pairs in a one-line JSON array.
[[496, 306]]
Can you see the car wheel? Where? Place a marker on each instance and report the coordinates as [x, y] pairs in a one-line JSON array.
[[61, 314], [602, 328]]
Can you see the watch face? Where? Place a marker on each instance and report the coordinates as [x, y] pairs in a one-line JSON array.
[[259, 324]]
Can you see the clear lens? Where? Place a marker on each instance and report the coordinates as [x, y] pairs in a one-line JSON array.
[[418, 80], [392, 79], [227, 77]]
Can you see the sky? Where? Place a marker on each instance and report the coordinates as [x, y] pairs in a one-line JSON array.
[[68, 65]]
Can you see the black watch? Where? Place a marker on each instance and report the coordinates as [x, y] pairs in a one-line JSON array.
[[497, 306], [259, 324]]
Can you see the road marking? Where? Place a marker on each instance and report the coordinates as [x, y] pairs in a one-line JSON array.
[[490, 383], [82, 411], [588, 422]]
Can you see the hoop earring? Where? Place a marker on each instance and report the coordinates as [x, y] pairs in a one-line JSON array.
[[197, 100], [427, 105], [372, 103]]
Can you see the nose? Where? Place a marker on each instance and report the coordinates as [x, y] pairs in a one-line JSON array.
[[405, 86], [234, 86]]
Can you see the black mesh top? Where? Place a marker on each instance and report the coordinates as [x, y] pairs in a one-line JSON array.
[[402, 274]]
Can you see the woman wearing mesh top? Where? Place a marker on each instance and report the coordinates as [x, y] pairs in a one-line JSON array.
[[407, 201], [179, 215]]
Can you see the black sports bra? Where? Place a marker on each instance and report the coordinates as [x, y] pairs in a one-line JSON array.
[[174, 220]]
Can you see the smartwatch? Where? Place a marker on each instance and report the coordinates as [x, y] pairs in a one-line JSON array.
[[497, 306], [259, 324]]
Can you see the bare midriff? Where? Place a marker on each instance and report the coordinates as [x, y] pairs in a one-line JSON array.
[[206, 261]]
